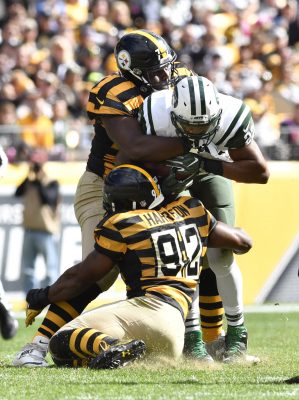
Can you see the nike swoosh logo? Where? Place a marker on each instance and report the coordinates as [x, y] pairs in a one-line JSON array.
[[101, 102], [41, 342]]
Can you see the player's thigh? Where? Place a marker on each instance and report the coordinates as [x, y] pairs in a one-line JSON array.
[[216, 193], [160, 325], [89, 197], [89, 210]]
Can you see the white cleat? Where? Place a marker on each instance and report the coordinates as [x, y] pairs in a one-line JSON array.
[[33, 355]]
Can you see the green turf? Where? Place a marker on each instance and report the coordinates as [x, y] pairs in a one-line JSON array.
[[273, 337]]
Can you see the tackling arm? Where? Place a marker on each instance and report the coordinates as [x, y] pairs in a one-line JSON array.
[[136, 146], [78, 278], [227, 237], [72, 282]]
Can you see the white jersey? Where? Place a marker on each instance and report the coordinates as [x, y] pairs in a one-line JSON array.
[[236, 128]]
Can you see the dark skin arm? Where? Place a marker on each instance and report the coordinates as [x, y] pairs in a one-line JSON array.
[[80, 277], [135, 146], [249, 165], [227, 237]]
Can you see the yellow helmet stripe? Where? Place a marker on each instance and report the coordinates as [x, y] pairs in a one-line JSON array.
[[143, 172], [152, 38]]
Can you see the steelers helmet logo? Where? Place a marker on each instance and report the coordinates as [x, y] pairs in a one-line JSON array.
[[124, 59]]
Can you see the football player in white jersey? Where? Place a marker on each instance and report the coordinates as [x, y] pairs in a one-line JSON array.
[[221, 130]]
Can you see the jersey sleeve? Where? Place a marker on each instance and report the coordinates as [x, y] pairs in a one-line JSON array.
[[154, 114], [212, 221], [245, 132], [113, 96], [109, 241]]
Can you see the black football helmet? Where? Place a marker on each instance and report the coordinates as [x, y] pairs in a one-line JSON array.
[[130, 187], [145, 58]]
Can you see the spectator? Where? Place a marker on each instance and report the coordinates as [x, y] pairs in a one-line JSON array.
[[36, 126], [120, 16], [210, 37], [289, 132], [9, 132], [77, 11], [41, 221], [62, 54]]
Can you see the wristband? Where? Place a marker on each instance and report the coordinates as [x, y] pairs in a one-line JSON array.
[[213, 166], [38, 298]]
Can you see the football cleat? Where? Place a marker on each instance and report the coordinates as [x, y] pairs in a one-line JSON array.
[[291, 381], [216, 348], [33, 355], [194, 347], [9, 325], [118, 355], [235, 343]]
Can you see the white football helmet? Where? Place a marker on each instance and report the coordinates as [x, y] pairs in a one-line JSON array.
[[195, 110]]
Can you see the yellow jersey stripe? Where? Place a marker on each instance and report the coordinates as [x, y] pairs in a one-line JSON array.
[[143, 172], [160, 46]]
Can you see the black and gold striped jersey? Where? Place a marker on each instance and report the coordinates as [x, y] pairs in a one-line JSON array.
[[114, 95], [158, 252]]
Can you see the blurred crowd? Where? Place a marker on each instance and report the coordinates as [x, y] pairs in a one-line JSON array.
[[52, 52]]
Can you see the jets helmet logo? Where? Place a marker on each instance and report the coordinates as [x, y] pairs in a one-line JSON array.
[[124, 59]]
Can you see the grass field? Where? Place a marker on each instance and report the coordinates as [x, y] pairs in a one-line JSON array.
[[274, 337]]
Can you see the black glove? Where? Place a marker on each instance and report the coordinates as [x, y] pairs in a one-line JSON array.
[[191, 164], [187, 164], [173, 186], [37, 300]]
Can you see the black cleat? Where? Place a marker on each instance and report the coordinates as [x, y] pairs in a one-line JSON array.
[[118, 355], [293, 380], [9, 325]]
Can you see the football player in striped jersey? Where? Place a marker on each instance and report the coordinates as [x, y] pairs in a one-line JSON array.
[[146, 63], [222, 131], [158, 247]]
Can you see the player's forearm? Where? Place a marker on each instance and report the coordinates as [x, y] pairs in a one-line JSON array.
[[246, 171], [64, 289], [227, 237], [153, 148], [67, 286], [243, 242]]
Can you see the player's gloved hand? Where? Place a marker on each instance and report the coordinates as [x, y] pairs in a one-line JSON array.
[[37, 300], [193, 164], [173, 186], [30, 316], [187, 164]]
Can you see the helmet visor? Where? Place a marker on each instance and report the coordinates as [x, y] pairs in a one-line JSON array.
[[161, 77]]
